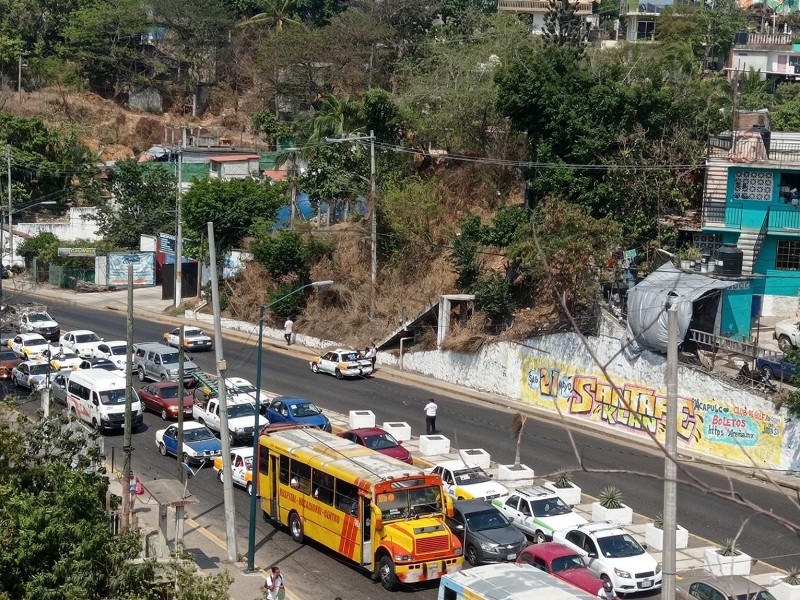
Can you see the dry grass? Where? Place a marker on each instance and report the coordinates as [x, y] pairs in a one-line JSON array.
[[468, 338]]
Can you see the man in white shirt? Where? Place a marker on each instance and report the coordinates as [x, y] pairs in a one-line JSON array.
[[430, 416], [274, 585], [288, 328]]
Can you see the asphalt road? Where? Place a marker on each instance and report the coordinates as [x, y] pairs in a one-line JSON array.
[[546, 448]]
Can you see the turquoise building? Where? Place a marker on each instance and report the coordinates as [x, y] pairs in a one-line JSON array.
[[752, 199]]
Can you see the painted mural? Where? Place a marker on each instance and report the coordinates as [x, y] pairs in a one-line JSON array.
[[708, 425]]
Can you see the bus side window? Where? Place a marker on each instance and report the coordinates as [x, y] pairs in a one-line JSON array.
[[302, 473], [284, 475], [346, 497], [450, 594], [263, 460], [323, 486]]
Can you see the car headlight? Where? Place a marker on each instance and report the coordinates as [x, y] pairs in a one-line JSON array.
[[488, 547], [621, 573], [239, 429], [658, 569], [458, 551], [402, 557], [173, 371], [173, 409]]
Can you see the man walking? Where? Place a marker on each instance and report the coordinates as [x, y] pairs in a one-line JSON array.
[[273, 586], [288, 328], [430, 416]]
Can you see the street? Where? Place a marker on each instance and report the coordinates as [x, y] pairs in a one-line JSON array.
[[546, 448]]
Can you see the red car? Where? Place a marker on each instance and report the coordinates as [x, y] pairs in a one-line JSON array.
[[162, 397], [561, 562], [379, 440], [8, 360]]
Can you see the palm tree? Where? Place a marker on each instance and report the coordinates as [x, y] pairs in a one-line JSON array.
[[275, 13], [335, 118]]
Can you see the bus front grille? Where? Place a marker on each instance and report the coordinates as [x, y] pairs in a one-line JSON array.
[[432, 544]]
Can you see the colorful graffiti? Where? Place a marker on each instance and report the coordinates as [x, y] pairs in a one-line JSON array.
[[711, 426]]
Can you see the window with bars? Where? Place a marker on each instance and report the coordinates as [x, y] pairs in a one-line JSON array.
[[788, 255], [753, 185]]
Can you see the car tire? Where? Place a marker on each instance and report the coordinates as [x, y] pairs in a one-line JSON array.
[[140, 371], [314, 368], [249, 488], [220, 476], [296, 528], [339, 374], [386, 574], [163, 377], [784, 343], [768, 373], [16, 382], [162, 449], [539, 537], [186, 459], [164, 414], [472, 556], [604, 578]]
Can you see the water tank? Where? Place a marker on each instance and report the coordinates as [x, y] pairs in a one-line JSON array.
[[729, 261]]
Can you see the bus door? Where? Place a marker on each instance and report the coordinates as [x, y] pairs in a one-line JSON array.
[[273, 487], [366, 531]]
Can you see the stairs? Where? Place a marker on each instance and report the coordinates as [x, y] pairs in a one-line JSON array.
[[747, 244], [715, 193]]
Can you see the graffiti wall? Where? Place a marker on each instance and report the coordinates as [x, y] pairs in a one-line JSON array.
[[710, 425]]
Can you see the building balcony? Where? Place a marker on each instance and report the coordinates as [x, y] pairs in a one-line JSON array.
[[538, 7], [744, 38], [784, 220], [754, 148]]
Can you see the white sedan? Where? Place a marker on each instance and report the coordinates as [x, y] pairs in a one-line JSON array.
[[82, 341], [29, 345], [116, 351], [63, 358], [241, 468], [31, 374], [193, 339], [241, 389], [537, 512], [199, 443], [342, 363], [464, 482]]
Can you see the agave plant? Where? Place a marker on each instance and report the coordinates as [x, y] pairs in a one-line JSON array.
[[658, 522], [793, 578], [563, 479], [611, 497], [729, 548]]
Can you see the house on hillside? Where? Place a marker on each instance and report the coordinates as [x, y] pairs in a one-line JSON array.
[[537, 9], [751, 200], [774, 56], [227, 167]]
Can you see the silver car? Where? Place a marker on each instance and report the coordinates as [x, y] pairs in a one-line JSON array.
[[58, 387]]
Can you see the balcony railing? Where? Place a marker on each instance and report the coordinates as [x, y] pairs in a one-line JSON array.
[[764, 39], [784, 217], [538, 6], [727, 215], [753, 147]]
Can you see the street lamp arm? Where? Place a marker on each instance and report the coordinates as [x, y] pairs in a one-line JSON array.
[[323, 283]]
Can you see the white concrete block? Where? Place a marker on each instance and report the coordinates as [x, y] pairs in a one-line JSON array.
[[654, 537], [570, 495], [515, 476], [431, 445], [727, 565], [475, 456], [361, 418], [399, 429], [617, 516]]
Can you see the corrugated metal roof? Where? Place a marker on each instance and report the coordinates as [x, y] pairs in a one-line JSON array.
[[238, 158]]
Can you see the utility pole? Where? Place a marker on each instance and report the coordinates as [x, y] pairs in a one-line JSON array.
[[19, 80], [126, 445], [179, 514], [670, 511], [373, 223], [179, 239], [227, 476], [10, 227]]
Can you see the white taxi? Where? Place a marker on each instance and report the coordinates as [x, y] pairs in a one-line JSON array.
[[241, 468], [537, 512], [63, 358], [463, 481], [241, 389], [194, 338], [82, 341], [342, 363], [31, 374], [28, 345]]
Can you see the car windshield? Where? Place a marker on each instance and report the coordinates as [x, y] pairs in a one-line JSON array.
[[381, 441], [39, 369], [765, 595], [470, 476], [564, 563], [241, 410], [486, 519], [170, 391], [118, 350], [550, 508], [39, 317], [619, 546], [408, 503], [64, 355], [197, 435], [105, 365], [113, 397], [169, 358], [7, 355], [248, 463], [35, 342], [304, 410], [85, 338], [243, 388]]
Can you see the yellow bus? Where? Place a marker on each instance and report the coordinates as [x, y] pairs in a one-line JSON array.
[[383, 514]]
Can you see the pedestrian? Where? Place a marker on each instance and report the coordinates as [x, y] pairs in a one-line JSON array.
[[607, 591], [288, 329], [373, 354], [273, 586], [430, 416], [133, 483]]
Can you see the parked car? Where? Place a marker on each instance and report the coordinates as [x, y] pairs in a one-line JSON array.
[[537, 512], [6, 335], [776, 367], [116, 351], [83, 341], [612, 553], [63, 358], [379, 440], [8, 360], [161, 397], [241, 389], [241, 468], [100, 363], [296, 410], [155, 361], [28, 345], [463, 481], [787, 333], [486, 534], [31, 374], [562, 562], [199, 443], [58, 387], [194, 338], [728, 587], [342, 363]]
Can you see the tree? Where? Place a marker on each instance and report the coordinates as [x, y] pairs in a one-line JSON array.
[[275, 14], [283, 254], [144, 198], [234, 207], [335, 173], [563, 26]]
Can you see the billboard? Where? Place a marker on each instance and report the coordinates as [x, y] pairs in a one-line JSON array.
[[144, 268], [77, 252], [167, 243]]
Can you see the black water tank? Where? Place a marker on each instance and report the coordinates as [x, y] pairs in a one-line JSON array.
[[729, 261]]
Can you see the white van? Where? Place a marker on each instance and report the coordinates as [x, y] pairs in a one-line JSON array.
[[97, 397]]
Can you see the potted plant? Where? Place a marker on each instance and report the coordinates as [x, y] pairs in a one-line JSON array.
[[727, 560], [654, 534], [564, 488], [694, 255], [788, 587], [610, 507]]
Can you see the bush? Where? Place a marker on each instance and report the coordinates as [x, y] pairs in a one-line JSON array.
[[563, 479], [729, 548], [493, 296], [288, 307], [611, 497], [283, 253], [510, 223], [464, 253]]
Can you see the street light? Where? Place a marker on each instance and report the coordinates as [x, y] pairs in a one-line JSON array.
[[251, 538], [22, 208]]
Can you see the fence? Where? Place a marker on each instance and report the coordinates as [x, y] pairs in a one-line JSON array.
[[68, 277]]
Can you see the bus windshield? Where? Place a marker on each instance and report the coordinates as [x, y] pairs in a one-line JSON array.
[[409, 503]]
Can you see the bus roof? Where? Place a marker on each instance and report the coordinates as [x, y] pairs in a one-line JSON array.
[[508, 581], [337, 455]]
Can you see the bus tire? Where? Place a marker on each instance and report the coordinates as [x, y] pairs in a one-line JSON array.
[[386, 574], [296, 528]]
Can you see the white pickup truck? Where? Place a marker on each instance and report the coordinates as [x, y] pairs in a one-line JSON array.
[[241, 418], [787, 333]]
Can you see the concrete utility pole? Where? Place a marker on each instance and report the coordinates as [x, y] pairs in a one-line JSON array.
[[224, 436], [373, 192], [179, 239], [10, 228], [179, 510], [126, 445], [669, 514]]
